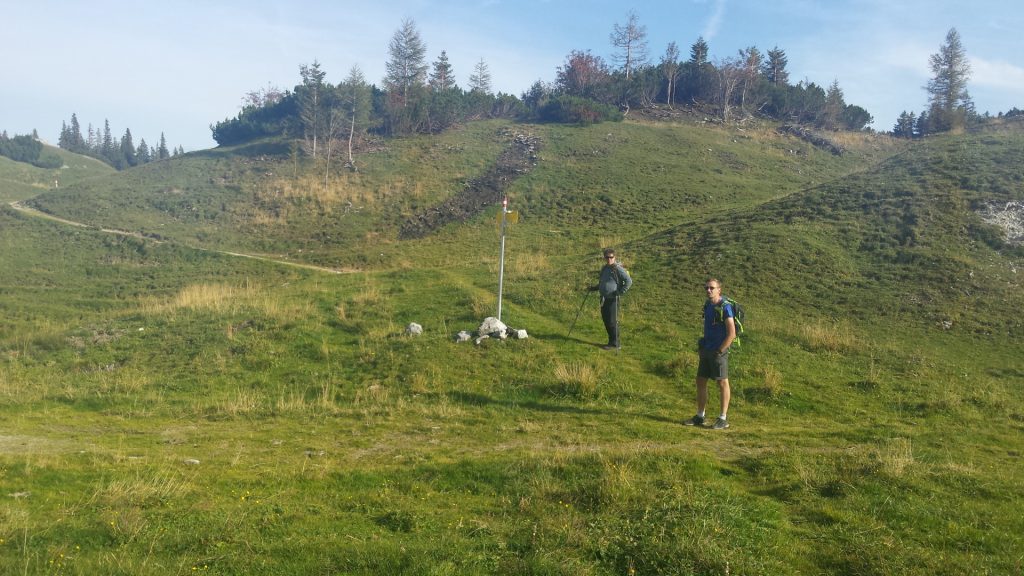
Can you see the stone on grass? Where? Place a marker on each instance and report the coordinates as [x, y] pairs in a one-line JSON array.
[[491, 326], [413, 329]]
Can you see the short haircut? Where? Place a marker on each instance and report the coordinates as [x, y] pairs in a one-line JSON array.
[[609, 252]]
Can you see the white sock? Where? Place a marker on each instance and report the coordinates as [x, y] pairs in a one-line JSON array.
[[721, 416], [700, 414]]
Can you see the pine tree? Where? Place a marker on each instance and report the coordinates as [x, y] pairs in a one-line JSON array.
[[128, 150], [751, 60], [949, 103], [162, 153], [904, 125], [775, 67], [405, 67], [442, 77], [107, 146], [699, 74], [311, 105], [77, 142], [480, 79], [834, 106], [64, 140], [699, 52], [142, 152]]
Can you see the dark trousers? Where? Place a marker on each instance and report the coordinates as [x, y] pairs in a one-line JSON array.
[[610, 315]]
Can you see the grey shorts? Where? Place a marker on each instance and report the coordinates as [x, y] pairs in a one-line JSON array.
[[712, 365]]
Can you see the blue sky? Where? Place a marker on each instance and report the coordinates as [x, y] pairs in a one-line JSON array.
[[176, 66]]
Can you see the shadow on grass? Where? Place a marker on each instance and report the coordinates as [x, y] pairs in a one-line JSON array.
[[560, 337], [474, 399]]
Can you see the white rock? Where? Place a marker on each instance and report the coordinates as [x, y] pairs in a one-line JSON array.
[[491, 325]]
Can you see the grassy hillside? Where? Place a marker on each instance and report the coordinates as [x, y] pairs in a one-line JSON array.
[[631, 178], [174, 410], [20, 180]]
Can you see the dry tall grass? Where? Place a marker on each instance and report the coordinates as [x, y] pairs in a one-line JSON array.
[[578, 378], [830, 338], [227, 299], [897, 456]]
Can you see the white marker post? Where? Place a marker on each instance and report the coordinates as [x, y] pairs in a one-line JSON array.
[[504, 218]]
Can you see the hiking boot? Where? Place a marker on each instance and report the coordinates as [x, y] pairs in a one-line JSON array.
[[695, 421], [720, 424]]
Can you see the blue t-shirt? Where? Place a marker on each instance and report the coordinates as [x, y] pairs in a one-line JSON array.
[[715, 330]]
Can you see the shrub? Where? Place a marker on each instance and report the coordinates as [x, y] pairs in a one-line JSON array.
[[575, 110]]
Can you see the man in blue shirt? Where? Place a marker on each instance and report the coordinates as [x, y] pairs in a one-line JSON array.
[[719, 332]]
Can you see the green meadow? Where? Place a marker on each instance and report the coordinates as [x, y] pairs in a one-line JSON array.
[[170, 406]]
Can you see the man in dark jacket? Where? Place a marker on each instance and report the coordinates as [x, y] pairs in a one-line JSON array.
[[612, 283]]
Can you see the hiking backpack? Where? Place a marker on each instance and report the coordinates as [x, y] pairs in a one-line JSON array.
[[737, 318]]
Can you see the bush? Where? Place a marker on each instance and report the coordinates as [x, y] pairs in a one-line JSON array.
[[565, 109]]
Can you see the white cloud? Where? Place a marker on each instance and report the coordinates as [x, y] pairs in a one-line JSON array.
[[997, 75], [715, 21]]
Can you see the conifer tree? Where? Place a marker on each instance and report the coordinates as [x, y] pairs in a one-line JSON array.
[[834, 106], [107, 147], [949, 102], [357, 98], [64, 140], [142, 152], [904, 125], [311, 105], [699, 52], [751, 61], [480, 79], [405, 67], [441, 76], [775, 67], [77, 142], [127, 150], [161, 152], [699, 73]]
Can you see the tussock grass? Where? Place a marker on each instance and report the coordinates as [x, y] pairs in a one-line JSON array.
[[533, 265], [771, 380], [897, 456], [833, 338], [577, 379]]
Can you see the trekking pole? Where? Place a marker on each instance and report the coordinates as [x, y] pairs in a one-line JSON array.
[[587, 295]]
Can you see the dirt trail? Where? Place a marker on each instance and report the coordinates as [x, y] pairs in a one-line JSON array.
[[518, 158], [39, 214]]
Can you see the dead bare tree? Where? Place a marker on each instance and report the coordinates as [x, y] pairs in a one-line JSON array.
[[631, 40], [356, 97], [730, 74], [670, 70]]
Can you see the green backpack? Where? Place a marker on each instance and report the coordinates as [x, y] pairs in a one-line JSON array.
[[738, 315]]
